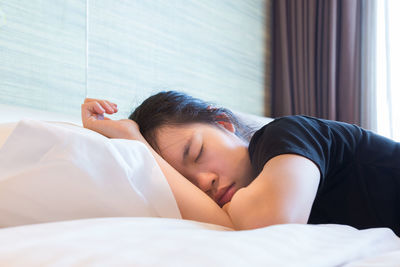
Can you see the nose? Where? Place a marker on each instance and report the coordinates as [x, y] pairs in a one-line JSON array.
[[208, 182]]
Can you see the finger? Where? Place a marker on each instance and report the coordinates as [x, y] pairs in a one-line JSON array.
[[115, 106], [106, 106], [97, 108], [91, 108], [112, 105]]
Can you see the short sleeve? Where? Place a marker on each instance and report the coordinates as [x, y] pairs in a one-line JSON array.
[[299, 135]]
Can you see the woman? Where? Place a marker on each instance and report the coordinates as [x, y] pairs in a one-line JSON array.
[[296, 169]]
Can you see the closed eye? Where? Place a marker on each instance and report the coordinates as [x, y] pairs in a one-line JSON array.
[[199, 155]]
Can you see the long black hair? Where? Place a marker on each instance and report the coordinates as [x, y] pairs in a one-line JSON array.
[[172, 107]]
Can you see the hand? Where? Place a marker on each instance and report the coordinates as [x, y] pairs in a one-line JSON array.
[[93, 111]]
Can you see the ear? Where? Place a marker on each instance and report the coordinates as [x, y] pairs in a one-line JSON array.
[[227, 125], [225, 122]]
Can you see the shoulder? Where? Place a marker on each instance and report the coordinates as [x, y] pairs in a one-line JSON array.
[[284, 129], [307, 127], [302, 135], [287, 123]]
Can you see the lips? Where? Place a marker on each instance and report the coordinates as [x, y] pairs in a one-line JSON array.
[[225, 194]]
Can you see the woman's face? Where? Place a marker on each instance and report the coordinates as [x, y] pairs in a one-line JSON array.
[[212, 157]]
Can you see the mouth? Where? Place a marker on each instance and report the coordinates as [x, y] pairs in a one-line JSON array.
[[227, 195]]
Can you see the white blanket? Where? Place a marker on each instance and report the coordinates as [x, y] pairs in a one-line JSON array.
[[57, 171], [172, 242]]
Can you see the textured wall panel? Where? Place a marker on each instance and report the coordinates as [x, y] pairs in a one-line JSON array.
[[42, 54], [210, 49]]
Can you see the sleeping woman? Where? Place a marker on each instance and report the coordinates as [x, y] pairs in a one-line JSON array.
[[296, 169]]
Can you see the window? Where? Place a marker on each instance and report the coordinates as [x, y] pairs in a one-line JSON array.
[[388, 69]]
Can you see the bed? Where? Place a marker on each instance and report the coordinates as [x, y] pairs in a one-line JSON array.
[[71, 197]]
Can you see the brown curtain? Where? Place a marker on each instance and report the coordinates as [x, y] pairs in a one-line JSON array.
[[316, 59]]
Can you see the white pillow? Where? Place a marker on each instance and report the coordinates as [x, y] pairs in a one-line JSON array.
[[53, 172]]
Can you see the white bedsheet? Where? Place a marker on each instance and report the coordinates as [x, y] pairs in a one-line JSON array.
[[173, 242]]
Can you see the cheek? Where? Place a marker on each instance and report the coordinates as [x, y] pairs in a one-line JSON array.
[[231, 164], [219, 162]]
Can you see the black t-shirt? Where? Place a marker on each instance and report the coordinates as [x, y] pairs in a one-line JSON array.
[[360, 170]]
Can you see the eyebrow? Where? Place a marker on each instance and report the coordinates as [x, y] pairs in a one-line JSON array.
[[186, 149]]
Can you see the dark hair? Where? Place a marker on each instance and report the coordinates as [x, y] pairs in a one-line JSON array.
[[172, 107]]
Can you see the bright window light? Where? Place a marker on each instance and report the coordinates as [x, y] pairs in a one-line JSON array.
[[388, 69]]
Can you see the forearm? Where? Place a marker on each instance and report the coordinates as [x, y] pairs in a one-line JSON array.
[[193, 203]]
